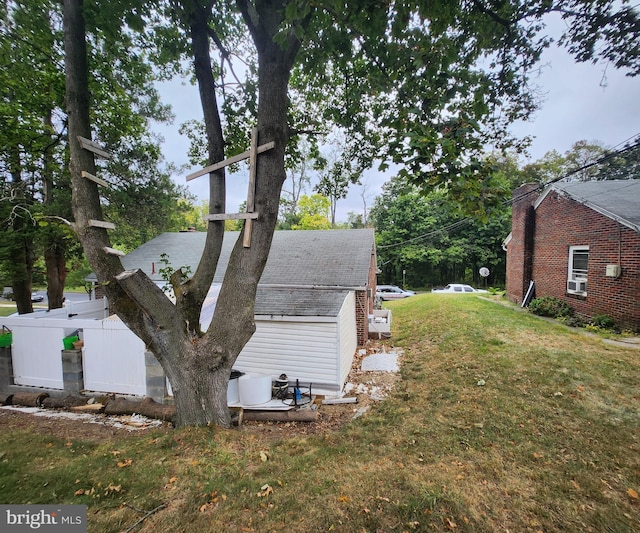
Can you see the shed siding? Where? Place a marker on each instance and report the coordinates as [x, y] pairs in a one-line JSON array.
[[316, 350], [304, 351]]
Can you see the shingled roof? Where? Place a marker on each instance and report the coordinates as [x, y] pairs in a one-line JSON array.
[[616, 199], [298, 261]]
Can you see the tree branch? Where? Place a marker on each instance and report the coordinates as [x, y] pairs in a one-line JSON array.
[[161, 506], [61, 219], [493, 15]]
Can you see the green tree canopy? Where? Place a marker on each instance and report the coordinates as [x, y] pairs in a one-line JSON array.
[[429, 237], [140, 198], [313, 212]]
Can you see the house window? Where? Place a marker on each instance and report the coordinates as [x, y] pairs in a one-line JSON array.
[[577, 276]]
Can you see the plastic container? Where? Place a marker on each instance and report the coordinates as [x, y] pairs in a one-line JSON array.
[[5, 339], [254, 389], [233, 390], [67, 342]]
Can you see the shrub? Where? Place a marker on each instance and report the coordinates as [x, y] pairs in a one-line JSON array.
[[550, 306], [603, 322], [575, 321]]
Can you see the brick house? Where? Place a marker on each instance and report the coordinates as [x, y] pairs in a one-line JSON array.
[[580, 242]]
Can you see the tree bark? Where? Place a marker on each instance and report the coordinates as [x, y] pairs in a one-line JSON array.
[[147, 407], [197, 365], [21, 272], [21, 265], [56, 267], [54, 250]]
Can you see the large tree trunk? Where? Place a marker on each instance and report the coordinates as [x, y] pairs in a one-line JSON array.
[[56, 267], [54, 249], [166, 329], [21, 264], [199, 380], [198, 365], [21, 273]]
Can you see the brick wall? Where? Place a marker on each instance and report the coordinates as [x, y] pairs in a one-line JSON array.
[[561, 222], [520, 248], [365, 301]]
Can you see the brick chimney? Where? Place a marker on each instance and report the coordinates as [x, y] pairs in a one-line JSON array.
[[520, 247]]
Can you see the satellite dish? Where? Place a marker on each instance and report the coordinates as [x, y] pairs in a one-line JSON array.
[[484, 272]]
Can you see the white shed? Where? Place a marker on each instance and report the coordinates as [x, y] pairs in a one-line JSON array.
[[309, 335], [312, 304]]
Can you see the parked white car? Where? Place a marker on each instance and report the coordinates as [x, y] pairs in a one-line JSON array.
[[391, 292], [457, 288]]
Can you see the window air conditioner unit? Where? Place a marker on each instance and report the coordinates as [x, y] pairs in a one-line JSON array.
[[576, 285]]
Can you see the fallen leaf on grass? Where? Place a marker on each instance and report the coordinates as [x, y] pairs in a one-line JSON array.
[[125, 463], [343, 499], [632, 494], [451, 525], [265, 490], [171, 483], [112, 489], [264, 456], [207, 507]]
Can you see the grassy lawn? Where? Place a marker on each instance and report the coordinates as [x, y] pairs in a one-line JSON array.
[[501, 422], [7, 308]]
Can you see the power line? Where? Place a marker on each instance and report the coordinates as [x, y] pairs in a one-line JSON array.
[[455, 225]]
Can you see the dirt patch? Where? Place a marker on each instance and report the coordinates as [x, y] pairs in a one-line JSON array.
[[368, 387], [98, 428]]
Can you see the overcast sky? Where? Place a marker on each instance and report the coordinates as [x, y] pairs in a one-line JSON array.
[[581, 101]]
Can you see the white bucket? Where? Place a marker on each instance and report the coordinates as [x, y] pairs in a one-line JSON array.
[[233, 392], [254, 389]]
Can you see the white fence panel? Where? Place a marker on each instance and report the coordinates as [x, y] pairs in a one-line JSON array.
[[113, 359], [36, 356]]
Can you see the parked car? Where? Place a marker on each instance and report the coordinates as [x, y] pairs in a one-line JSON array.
[[457, 288], [391, 292], [35, 297]]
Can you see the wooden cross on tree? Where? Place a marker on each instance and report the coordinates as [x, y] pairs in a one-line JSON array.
[[252, 155]]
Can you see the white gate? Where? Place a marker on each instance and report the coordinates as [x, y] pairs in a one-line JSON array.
[[113, 359]]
